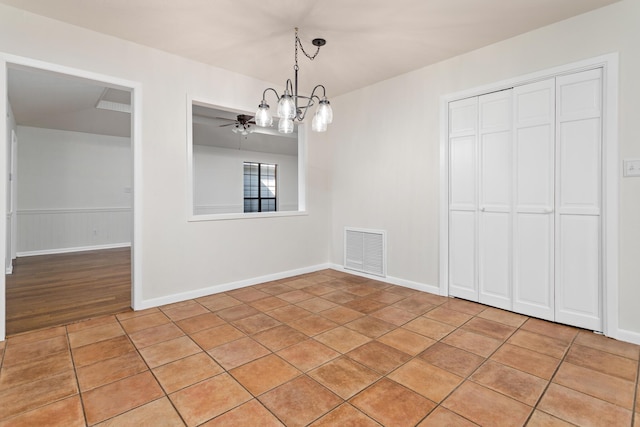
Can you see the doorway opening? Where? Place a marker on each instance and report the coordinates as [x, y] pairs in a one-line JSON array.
[[70, 204]]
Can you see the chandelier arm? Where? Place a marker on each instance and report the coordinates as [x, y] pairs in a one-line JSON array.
[[264, 94], [302, 112], [289, 86], [313, 93]]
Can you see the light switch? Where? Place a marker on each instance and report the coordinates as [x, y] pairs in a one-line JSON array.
[[632, 167]]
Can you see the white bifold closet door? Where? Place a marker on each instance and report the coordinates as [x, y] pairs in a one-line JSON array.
[[525, 199], [494, 194], [578, 200], [534, 181], [463, 129]]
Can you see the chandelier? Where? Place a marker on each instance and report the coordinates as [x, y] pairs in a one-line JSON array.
[[293, 107]]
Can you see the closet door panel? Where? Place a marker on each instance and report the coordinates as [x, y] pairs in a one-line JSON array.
[[533, 291], [578, 200], [495, 180], [579, 165], [463, 171], [534, 167], [578, 293], [534, 181], [495, 256], [462, 255], [494, 223]]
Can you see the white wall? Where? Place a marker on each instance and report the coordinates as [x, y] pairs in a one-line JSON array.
[[61, 170], [177, 258], [218, 179], [385, 168], [74, 190]]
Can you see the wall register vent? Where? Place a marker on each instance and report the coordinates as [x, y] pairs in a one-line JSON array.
[[365, 251]]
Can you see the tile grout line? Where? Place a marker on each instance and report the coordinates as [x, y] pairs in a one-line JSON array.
[[385, 376], [467, 378], [555, 371], [225, 370], [75, 374], [137, 350], [274, 353]]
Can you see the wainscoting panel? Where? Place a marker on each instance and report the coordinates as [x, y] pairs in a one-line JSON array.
[[52, 230]]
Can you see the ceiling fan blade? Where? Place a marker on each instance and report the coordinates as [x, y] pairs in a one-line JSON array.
[[228, 124], [244, 118]]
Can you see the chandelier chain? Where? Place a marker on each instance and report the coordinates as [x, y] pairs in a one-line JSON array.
[[298, 42]]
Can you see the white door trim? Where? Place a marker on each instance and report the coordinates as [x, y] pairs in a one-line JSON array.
[[7, 60], [609, 65]]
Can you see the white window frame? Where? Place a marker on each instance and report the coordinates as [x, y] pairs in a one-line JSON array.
[[302, 171]]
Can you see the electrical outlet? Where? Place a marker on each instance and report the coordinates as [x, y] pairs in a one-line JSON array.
[[632, 167]]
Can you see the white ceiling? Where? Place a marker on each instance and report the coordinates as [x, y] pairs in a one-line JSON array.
[[367, 40], [56, 101]]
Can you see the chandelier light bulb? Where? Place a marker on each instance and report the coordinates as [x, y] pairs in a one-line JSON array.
[[318, 124], [324, 109], [263, 116], [286, 106], [285, 125]]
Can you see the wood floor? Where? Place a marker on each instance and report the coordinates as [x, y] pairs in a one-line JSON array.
[[52, 290]]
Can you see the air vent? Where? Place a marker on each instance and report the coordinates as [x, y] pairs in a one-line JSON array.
[[115, 100], [113, 106], [365, 251]]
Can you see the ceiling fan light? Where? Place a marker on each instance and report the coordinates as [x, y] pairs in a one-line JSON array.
[[324, 109], [317, 124], [285, 125], [286, 106], [242, 129], [263, 116]]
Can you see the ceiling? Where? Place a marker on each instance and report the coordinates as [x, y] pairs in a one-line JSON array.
[[50, 100], [367, 41]]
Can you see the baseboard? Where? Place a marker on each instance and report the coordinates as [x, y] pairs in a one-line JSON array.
[[183, 296], [9, 269], [77, 249], [628, 336], [391, 280]]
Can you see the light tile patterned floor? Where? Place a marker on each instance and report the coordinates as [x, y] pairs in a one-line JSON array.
[[323, 349]]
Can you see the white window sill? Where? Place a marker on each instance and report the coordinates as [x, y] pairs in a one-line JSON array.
[[235, 216]]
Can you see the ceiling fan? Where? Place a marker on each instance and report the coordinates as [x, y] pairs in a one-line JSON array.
[[244, 124]]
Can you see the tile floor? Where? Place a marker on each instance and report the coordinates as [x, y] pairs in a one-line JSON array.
[[323, 349]]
